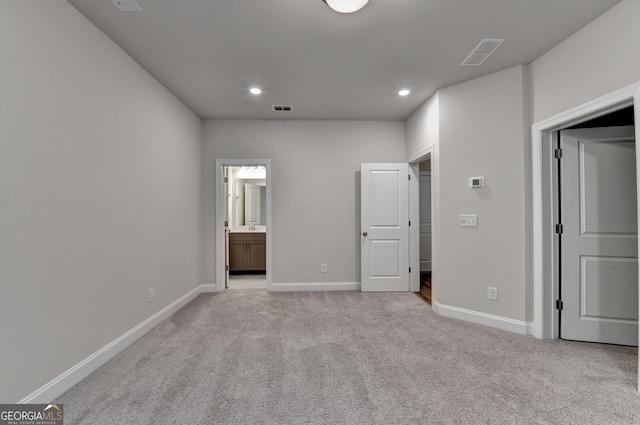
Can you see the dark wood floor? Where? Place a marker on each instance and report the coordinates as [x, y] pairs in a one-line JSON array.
[[425, 286]]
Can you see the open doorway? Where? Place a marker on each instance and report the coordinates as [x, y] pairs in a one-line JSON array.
[[597, 230], [424, 179], [543, 135], [550, 233], [243, 224], [422, 191], [246, 194]]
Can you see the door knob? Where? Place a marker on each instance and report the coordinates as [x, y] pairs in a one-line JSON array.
[[364, 233]]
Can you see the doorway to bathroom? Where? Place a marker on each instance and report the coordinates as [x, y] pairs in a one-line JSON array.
[[243, 206]]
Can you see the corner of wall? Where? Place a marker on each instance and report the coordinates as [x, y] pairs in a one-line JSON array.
[[527, 105], [422, 128]]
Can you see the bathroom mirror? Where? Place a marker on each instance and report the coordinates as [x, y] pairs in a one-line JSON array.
[[247, 196]]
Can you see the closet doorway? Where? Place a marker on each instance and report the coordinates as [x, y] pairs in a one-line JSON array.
[[425, 229], [423, 253]]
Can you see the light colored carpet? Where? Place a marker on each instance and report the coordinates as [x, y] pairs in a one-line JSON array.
[[253, 357]]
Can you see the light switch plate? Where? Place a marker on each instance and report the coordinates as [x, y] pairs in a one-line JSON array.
[[468, 220], [492, 293]]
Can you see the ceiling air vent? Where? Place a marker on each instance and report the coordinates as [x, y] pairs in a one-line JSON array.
[[482, 51], [127, 5], [282, 108]]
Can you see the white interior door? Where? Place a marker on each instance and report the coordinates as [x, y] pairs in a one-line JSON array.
[[385, 227], [599, 258]]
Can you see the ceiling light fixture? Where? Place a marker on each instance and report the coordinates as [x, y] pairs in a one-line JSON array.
[[346, 6], [255, 90], [404, 92]]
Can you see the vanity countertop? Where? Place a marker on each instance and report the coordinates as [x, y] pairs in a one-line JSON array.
[[247, 229]]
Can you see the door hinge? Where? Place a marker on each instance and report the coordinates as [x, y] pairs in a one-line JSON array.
[[226, 224], [409, 176], [409, 223], [557, 153], [559, 305], [559, 229], [226, 179], [409, 269], [227, 267]]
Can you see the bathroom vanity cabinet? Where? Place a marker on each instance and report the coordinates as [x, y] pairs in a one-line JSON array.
[[247, 252]]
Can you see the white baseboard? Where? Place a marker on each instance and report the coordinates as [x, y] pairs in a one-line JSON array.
[[315, 286], [48, 392], [208, 287], [499, 322], [529, 328]]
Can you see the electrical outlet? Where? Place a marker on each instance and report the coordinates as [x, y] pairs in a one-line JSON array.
[[493, 293], [150, 295], [468, 220], [323, 268]]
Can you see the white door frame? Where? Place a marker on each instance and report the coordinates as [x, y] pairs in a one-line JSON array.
[[544, 323], [414, 215], [220, 215]]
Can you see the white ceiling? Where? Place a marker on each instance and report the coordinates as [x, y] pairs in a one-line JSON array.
[[328, 65]]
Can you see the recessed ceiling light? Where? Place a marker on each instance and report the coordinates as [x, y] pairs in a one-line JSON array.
[[255, 90], [404, 92]]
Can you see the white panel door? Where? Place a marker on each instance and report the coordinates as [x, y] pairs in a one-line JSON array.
[[385, 227], [599, 243]]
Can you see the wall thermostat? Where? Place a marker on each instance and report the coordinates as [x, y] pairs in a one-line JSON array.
[[476, 182]]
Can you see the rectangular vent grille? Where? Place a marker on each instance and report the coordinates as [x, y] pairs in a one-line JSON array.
[[282, 108], [482, 51], [127, 5]]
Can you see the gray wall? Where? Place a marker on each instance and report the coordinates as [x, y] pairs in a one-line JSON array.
[[315, 189], [480, 133], [423, 127], [100, 175], [599, 59]]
